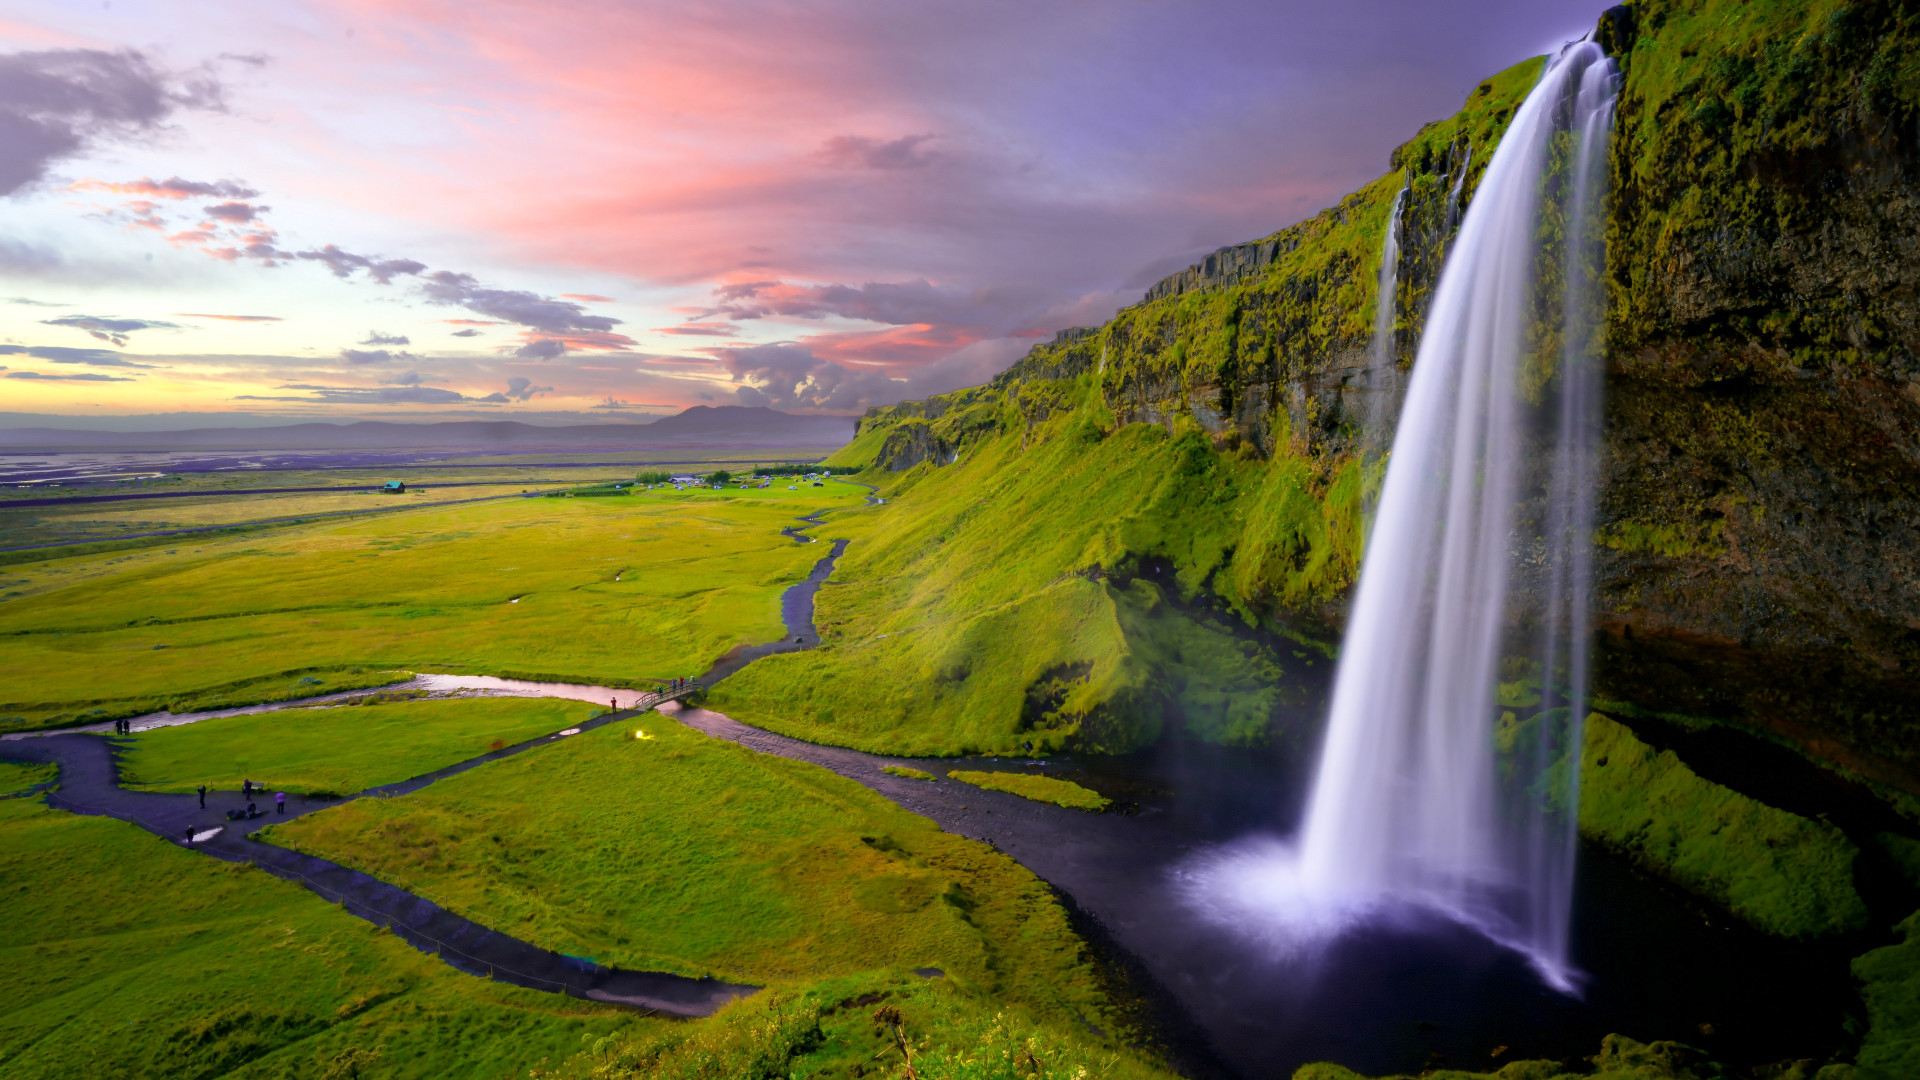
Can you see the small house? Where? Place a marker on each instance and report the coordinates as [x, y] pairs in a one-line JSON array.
[[394, 487]]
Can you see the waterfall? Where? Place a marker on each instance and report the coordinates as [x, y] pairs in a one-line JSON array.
[[1453, 193], [1382, 366], [1477, 560]]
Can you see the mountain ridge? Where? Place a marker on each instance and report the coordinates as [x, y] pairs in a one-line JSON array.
[[733, 424]]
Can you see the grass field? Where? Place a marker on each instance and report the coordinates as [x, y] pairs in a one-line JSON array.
[[980, 609], [620, 591], [342, 750], [1038, 788], [105, 521], [854, 1027], [17, 776], [125, 956], [694, 855]]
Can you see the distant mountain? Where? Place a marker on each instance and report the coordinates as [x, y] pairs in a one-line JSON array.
[[727, 425]]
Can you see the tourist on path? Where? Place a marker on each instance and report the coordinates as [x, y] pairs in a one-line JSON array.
[[203, 796], [280, 801], [246, 789], [189, 836]]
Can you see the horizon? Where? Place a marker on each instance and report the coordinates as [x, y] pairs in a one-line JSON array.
[[282, 215]]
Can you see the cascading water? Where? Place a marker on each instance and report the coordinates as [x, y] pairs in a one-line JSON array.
[[1382, 370], [1448, 778], [1453, 192], [1425, 791]]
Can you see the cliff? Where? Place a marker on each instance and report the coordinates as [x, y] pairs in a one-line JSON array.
[[1760, 534]]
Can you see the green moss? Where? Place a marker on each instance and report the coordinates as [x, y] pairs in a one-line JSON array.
[[1038, 788], [907, 772], [1783, 873], [1671, 539], [1891, 990]]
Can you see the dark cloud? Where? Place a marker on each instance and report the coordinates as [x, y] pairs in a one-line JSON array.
[[114, 331], [56, 103], [366, 395], [791, 376], [375, 337], [899, 304], [411, 378], [60, 354], [701, 329], [236, 212], [513, 305], [858, 151], [541, 349], [611, 402], [343, 264], [24, 302], [466, 333], [518, 389], [172, 188], [75, 377], [229, 318], [374, 356]]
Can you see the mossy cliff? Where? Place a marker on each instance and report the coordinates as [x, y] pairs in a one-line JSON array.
[[1761, 508], [1762, 500]]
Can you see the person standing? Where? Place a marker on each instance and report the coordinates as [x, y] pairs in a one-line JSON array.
[[280, 801], [189, 840], [203, 796]]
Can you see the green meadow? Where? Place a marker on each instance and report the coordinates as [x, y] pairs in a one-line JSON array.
[[622, 591], [1013, 597], [126, 956], [694, 855], [17, 777], [341, 749]]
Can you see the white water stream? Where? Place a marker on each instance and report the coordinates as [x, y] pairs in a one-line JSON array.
[[1383, 369], [1426, 794]]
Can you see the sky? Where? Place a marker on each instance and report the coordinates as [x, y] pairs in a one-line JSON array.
[[272, 211]]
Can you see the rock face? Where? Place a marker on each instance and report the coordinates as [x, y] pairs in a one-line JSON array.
[[909, 444], [1759, 548]]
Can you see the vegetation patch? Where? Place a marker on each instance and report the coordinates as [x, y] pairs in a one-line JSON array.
[[864, 1025], [1781, 872], [342, 749], [17, 777], [128, 956], [1891, 990], [1038, 788], [908, 772], [694, 855], [1620, 1058], [267, 690], [209, 624]]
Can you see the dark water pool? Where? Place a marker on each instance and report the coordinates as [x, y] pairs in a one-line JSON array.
[[1417, 992]]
